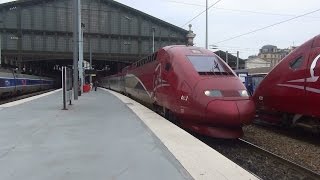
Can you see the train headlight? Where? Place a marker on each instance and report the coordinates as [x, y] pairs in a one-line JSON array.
[[213, 93], [243, 93]]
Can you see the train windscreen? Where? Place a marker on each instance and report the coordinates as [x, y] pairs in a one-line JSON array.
[[209, 65]]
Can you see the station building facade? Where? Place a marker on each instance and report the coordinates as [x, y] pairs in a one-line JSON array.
[[42, 30]]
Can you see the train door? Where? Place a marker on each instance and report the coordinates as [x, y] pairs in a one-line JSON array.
[[313, 82], [167, 86], [159, 80]]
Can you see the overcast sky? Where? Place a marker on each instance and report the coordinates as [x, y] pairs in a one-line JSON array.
[[229, 18]]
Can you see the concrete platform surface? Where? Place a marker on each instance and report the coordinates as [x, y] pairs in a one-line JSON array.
[[200, 160], [99, 137]]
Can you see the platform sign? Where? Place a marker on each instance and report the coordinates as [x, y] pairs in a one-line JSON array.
[[90, 72], [66, 86]]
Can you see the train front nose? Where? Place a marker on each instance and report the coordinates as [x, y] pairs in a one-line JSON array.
[[232, 113]]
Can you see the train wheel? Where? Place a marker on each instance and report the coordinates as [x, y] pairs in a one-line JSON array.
[[286, 120]]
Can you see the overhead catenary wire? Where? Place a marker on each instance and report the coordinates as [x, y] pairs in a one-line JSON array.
[[201, 13], [257, 12], [237, 10], [237, 47], [259, 29], [191, 4]]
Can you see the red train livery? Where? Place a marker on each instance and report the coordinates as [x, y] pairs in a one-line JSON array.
[[290, 93], [190, 86]]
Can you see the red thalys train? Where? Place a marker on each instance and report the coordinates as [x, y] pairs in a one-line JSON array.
[[290, 93], [191, 86]]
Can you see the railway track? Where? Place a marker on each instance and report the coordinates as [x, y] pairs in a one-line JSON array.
[[295, 169], [15, 98], [294, 132], [264, 164]]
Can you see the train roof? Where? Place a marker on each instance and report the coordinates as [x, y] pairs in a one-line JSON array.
[[192, 50], [316, 42]]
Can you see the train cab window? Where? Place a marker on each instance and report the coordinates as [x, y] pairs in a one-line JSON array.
[[295, 64], [167, 66], [209, 65]]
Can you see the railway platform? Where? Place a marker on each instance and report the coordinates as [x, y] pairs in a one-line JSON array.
[[103, 135]]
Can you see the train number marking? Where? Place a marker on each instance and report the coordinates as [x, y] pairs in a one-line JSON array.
[[184, 98]]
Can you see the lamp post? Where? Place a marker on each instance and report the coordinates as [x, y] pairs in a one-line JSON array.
[[127, 43], [81, 74], [227, 59], [0, 51], [237, 60], [0, 47], [206, 24], [153, 31], [90, 57], [76, 27]]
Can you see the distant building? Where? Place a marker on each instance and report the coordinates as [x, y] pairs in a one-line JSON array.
[[256, 62], [252, 56], [272, 54], [263, 70]]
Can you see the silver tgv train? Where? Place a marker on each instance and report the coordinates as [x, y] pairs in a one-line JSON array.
[[14, 83]]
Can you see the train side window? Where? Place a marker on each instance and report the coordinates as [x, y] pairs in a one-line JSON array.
[[295, 64], [167, 67]]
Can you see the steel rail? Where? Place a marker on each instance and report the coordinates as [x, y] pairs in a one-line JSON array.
[[23, 96], [303, 171]]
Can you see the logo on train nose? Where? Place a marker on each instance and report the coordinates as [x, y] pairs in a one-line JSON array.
[[184, 98], [312, 79], [24, 82], [7, 83]]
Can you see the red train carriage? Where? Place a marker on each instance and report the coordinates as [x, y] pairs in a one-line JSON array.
[[192, 86], [290, 93]]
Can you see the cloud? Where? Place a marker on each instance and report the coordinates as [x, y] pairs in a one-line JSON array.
[[230, 18]]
